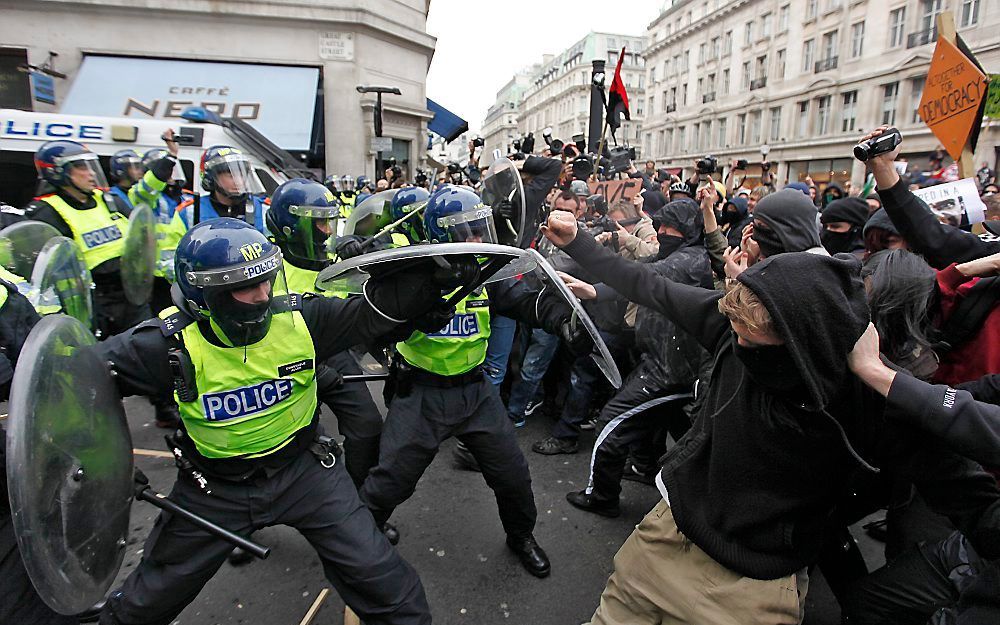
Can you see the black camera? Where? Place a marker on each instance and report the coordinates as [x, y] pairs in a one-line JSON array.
[[707, 166], [886, 142], [619, 160], [742, 164], [583, 168], [397, 173], [517, 145], [454, 168], [765, 165], [597, 204], [556, 146], [581, 142], [528, 143], [421, 178], [478, 142]]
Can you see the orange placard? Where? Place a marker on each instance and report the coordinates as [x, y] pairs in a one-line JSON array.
[[614, 190], [954, 89]]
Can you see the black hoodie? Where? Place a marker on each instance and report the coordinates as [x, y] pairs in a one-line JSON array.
[[755, 481], [791, 217]]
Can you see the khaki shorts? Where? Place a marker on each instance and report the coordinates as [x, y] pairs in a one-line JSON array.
[[661, 577]]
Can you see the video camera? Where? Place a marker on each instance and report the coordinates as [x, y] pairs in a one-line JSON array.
[[882, 144], [597, 204], [619, 160], [478, 142], [707, 166]]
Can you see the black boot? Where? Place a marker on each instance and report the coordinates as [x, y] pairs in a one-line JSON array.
[[583, 501], [168, 416], [532, 556]]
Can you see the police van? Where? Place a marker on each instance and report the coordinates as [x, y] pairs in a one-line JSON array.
[[23, 132]]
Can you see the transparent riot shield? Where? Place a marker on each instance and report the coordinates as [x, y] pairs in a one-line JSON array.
[[69, 465], [601, 354], [138, 261], [20, 244], [62, 281], [504, 193]]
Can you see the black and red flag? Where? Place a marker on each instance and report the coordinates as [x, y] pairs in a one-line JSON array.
[[617, 98]]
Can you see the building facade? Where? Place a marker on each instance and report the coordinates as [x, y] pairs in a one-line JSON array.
[[800, 80], [558, 93], [340, 44], [500, 126]]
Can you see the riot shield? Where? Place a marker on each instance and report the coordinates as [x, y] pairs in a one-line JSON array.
[[601, 355], [62, 281], [20, 244], [374, 209], [504, 193], [139, 256], [496, 261], [69, 465]]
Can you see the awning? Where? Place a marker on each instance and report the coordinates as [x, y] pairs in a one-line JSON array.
[[445, 123]]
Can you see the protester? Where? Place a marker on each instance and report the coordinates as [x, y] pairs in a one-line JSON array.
[[843, 221]]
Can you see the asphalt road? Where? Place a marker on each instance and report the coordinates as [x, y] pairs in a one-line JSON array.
[[452, 536]]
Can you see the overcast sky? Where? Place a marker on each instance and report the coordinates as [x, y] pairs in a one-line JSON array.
[[480, 45]]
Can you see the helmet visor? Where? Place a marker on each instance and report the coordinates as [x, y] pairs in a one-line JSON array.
[[315, 226], [83, 171], [253, 271], [234, 175], [471, 226]]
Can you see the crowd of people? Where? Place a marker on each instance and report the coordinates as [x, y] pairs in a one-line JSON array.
[[795, 357]]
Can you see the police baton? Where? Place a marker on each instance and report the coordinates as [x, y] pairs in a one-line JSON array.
[[365, 377]]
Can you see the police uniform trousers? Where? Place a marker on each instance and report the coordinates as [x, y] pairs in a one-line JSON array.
[[113, 313], [424, 416], [322, 504], [358, 418]]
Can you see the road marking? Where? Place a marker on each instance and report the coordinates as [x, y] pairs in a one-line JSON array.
[[152, 453], [314, 608]]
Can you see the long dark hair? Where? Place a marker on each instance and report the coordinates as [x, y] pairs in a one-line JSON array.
[[902, 296]]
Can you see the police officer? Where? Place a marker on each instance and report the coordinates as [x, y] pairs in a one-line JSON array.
[[19, 601], [242, 361], [232, 186], [343, 187], [302, 217], [78, 208], [440, 389], [124, 170], [404, 202]]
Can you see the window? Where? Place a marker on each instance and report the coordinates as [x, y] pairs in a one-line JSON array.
[[670, 141], [775, 123], [611, 43], [857, 39], [721, 132], [746, 75], [849, 112], [755, 120], [701, 88], [779, 69], [761, 67], [897, 22], [803, 130], [811, 9], [916, 92], [665, 103], [673, 95], [808, 48], [652, 75], [638, 109], [662, 146], [695, 132], [713, 49], [970, 12], [783, 18], [889, 93], [706, 135], [681, 140], [727, 42], [823, 115], [725, 82], [741, 128], [747, 33], [765, 25], [929, 10], [829, 45], [687, 61], [702, 49]]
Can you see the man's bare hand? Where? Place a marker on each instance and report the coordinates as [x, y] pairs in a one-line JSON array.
[[582, 290], [560, 228], [736, 261], [864, 362], [168, 138]]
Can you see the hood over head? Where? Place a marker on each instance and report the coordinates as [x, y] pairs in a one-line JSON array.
[[853, 210], [684, 214], [880, 219], [791, 217], [740, 203], [818, 306], [799, 186], [652, 202]]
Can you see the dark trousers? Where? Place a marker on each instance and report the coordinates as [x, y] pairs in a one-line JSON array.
[[923, 580], [585, 378], [416, 425], [113, 314], [322, 504], [358, 418], [640, 411]]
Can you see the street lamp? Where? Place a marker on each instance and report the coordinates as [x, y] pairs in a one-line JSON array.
[[377, 116]]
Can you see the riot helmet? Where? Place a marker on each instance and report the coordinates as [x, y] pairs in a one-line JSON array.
[[404, 202], [125, 165], [227, 170], [456, 214], [302, 217], [370, 215], [218, 264], [70, 164]]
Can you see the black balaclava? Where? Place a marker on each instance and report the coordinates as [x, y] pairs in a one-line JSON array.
[[851, 210], [770, 366], [732, 218], [669, 244], [789, 223], [242, 324], [683, 215]]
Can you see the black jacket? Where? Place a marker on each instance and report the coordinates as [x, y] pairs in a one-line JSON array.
[[545, 174], [756, 479], [940, 244]]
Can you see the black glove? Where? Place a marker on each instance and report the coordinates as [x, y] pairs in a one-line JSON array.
[[576, 338], [349, 246], [403, 295], [434, 320], [328, 378]]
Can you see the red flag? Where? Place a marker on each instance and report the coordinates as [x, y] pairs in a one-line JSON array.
[[617, 97]]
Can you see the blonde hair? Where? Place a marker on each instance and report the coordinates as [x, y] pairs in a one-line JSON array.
[[741, 305]]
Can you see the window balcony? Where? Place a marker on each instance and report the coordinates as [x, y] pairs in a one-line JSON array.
[[921, 38], [671, 107], [758, 83], [826, 65]]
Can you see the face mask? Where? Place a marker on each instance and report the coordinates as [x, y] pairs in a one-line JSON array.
[[768, 242], [770, 366], [668, 244], [242, 323], [836, 242]]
